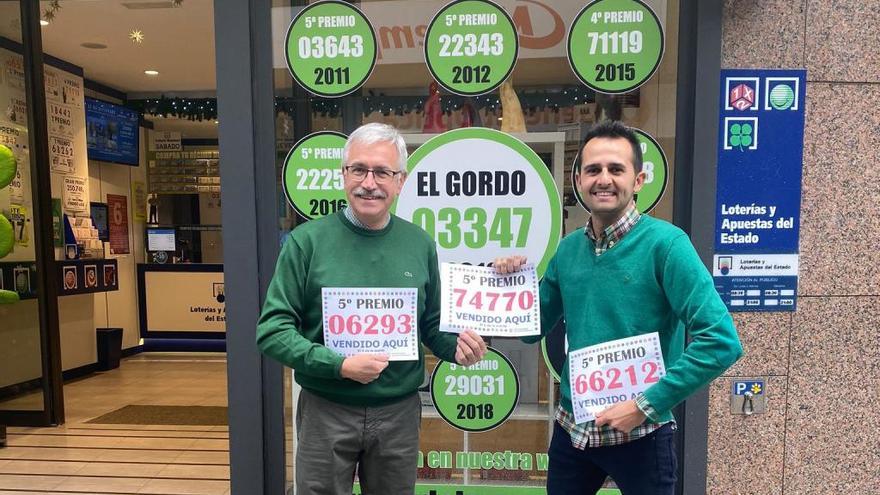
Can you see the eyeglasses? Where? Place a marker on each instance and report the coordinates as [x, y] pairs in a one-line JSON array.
[[380, 175]]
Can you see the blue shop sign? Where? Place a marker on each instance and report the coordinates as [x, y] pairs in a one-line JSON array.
[[758, 194]]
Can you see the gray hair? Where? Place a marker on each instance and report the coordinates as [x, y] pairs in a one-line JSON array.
[[375, 132]]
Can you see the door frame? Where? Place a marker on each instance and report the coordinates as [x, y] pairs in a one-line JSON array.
[[51, 381], [250, 223]]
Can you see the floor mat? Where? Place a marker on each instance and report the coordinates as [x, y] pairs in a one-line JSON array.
[[165, 415]]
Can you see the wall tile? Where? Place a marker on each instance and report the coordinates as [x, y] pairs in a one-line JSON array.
[[763, 33], [746, 452], [842, 42], [764, 338], [832, 437], [840, 230]]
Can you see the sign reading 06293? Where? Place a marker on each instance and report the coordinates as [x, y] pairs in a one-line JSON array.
[[481, 193], [476, 398], [330, 48], [312, 175]]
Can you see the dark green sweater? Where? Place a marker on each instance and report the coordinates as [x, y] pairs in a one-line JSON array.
[[332, 252], [651, 281]]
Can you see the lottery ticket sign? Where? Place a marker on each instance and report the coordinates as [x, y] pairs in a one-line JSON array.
[[615, 46], [471, 46], [313, 182], [480, 194], [605, 374], [489, 303], [330, 48], [374, 321], [475, 398]]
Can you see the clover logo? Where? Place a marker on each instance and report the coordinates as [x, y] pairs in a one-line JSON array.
[[740, 135]]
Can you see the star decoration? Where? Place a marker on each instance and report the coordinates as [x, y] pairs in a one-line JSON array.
[[136, 36]]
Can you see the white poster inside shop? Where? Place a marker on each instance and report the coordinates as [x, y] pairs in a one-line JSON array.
[[61, 154], [16, 109], [63, 88], [71, 90], [60, 120], [52, 82], [165, 141], [75, 195], [13, 72]]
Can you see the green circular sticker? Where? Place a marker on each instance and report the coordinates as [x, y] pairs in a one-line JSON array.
[[476, 398], [7, 236], [654, 165], [614, 46], [312, 175], [8, 166], [471, 46], [330, 48], [481, 194]]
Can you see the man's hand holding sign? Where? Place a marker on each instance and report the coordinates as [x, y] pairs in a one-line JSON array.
[[371, 327], [490, 303]]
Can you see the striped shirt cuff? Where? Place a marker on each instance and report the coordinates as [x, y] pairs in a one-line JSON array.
[[647, 409]]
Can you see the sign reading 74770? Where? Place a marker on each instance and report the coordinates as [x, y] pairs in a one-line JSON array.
[[614, 46]]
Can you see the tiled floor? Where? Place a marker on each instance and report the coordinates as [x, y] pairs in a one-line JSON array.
[[82, 458]]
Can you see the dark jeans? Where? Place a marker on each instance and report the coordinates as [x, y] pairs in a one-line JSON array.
[[646, 466]]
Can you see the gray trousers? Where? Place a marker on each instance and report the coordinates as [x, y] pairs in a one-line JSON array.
[[333, 440]]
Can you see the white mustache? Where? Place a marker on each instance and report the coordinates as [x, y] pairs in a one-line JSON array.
[[363, 192]]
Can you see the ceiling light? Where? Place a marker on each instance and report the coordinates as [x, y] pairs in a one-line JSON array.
[[44, 22], [136, 36], [151, 72]]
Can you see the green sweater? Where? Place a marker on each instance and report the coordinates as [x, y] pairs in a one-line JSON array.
[[651, 281], [332, 252]]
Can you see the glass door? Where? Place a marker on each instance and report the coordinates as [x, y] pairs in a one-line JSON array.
[[30, 390], [554, 107]]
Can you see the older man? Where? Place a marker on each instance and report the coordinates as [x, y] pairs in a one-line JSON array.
[[360, 410]]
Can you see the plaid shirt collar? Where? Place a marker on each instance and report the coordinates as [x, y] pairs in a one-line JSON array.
[[349, 214], [613, 233]]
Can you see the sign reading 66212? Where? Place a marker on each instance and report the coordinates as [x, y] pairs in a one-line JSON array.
[[330, 48]]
